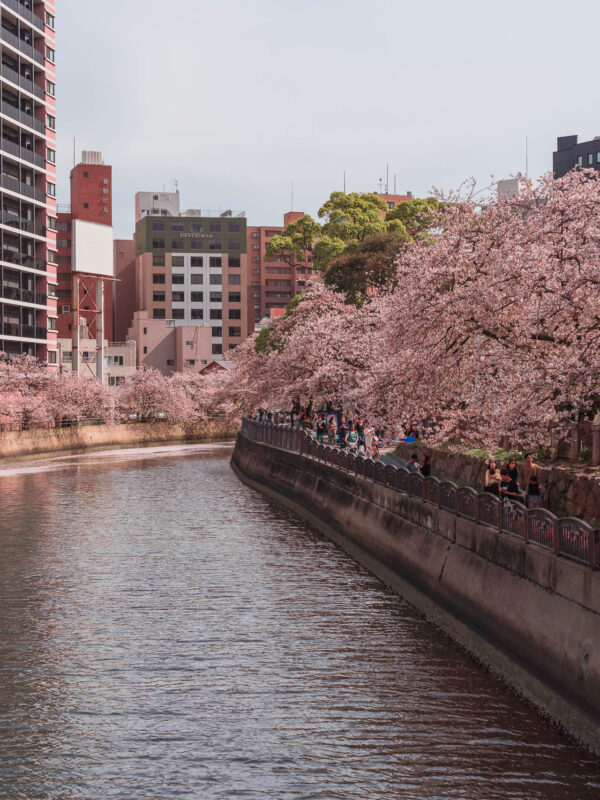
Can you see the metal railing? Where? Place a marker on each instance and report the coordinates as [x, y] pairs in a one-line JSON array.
[[26, 12], [24, 295], [568, 537]]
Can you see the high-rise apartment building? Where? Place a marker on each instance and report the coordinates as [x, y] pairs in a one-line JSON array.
[[272, 282], [28, 313], [572, 153], [91, 200], [189, 305]]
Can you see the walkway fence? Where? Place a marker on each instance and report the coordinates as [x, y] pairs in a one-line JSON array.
[[568, 537]]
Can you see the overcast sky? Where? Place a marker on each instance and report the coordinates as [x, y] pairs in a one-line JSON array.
[[236, 98]]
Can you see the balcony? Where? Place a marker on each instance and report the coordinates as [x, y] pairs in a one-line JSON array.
[[22, 152], [22, 224], [19, 260], [23, 295], [26, 13], [23, 47], [23, 331], [15, 185], [22, 81], [23, 117]]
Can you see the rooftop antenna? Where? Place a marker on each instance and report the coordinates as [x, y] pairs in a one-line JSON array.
[[380, 185], [176, 185]]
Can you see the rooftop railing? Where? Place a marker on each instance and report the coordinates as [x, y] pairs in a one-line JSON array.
[[567, 537]]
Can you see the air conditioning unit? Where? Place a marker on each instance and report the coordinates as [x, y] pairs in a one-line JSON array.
[[66, 309], [171, 323]]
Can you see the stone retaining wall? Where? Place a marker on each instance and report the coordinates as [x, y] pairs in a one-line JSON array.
[[19, 444], [531, 617], [570, 491]]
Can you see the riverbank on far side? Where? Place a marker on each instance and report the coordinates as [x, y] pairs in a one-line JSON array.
[[49, 441]]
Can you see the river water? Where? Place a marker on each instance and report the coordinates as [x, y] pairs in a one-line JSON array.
[[165, 632]]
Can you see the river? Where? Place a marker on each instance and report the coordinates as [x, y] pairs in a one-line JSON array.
[[166, 632]]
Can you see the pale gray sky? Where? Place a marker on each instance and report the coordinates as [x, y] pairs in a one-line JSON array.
[[235, 98]]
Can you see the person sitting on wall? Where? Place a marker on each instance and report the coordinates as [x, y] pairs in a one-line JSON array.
[[413, 463], [425, 468], [493, 478], [509, 488]]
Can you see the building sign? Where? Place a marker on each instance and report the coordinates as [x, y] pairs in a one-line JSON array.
[[187, 235]]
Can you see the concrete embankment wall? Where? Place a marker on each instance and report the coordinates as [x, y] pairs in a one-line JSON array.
[[531, 617], [19, 444]]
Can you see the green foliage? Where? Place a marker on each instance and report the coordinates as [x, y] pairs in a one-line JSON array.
[[415, 219], [370, 264], [294, 242]]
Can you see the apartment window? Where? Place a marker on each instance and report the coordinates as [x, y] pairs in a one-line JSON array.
[[158, 278], [256, 247], [50, 54], [170, 362], [145, 348], [197, 313], [62, 243], [196, 244], [158, 313], [216, 297], [178, 297], [196, 227], [158, 244], [234, 261], [197, 262], [190, 362], [234, 227], [215, 227], [51, 189], [51, 155], [235, 313], [50, 20], [86, 174], [51, 323], [158, 297], [179, 313], [256, 271], [105, 181], [234, 244], [177, 261], [235, 331], [580, 161], [177, 244], [51, 122], [145, 331], [590, 159], [52, 355], [158, 226], [196, 279], [158, 260], [215, 244], [216, 331], [235, 297], [177, 279], [197, 297], [177, 226], [256, 259], [216, 313], [215, 261], [597, 158], [52, 224], [215, 280], [217, 349], [235, 280], [255, 234]]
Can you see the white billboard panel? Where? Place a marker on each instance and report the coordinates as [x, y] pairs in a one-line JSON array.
[[93, 250]]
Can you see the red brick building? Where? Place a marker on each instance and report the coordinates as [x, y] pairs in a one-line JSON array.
[[91, 200]]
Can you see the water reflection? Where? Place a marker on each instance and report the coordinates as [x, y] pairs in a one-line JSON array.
[[165, 632]]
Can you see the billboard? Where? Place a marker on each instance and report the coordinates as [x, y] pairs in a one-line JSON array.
[[93, 250]]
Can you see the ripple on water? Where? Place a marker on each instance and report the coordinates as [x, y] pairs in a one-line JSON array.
[[167, 633]]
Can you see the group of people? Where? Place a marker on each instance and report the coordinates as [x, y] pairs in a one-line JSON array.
[[355, 434], [509, 483]]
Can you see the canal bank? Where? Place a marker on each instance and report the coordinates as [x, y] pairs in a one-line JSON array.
[[529, 616], [77, 439]]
